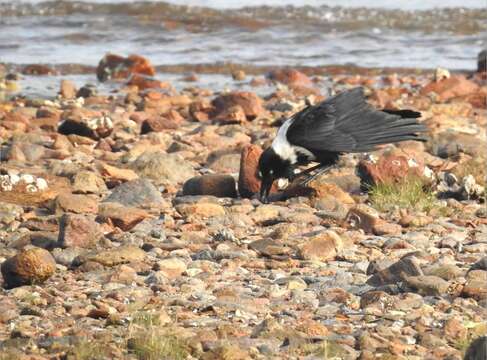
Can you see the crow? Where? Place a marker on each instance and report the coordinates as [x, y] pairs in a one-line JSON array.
[[344, 123]]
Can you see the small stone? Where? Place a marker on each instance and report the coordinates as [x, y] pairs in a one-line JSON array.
[[291, 77], [138, 192], [88, 182], [121, 216], [238, 75], [211, 184], [203, 210], [85, 122], [68, 89], [79, 231], [163, 168], [250, 103], [407, 266], [322, 247], [449, 88], [428, 285], [75, 203], [171, 267], [32, 266], [476, 286], [366, 218], [117, 256]]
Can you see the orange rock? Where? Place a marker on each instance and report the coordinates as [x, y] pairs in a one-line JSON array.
[[231, 115], [32, 266], [250, 103], [145, 82], [452, 87], [118, 67], [248, 183], [290, 77]]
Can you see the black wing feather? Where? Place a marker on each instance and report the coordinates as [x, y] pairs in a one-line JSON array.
[[346, 123]]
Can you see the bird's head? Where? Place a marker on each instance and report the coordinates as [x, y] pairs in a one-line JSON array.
[[271, 167]]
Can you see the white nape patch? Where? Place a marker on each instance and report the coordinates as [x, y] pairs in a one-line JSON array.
[[281, 145]]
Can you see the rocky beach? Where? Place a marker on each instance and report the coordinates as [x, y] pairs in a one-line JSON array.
[[130, 229]]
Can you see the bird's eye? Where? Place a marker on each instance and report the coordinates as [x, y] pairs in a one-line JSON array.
[[271, 172], [259, 174]]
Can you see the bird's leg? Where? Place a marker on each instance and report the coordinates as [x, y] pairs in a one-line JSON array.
[[321, 170]]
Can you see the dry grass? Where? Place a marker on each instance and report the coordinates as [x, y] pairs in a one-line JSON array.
[[324, 350], [477, 167], [89, 350], [411, 193], [148, 340]]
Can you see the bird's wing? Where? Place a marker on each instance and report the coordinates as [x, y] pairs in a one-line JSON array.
[[346, 123]]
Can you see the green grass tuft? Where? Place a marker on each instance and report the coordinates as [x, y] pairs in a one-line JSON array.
[[411, 193]]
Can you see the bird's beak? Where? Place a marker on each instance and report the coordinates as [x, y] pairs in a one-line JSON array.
[[265, 188]]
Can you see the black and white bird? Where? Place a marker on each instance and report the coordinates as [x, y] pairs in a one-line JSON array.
[[344, 123]]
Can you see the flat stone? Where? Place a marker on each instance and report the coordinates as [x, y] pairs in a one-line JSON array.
[[136, 193], [211, 184], [428, 285], [75, 203], [121, 216], [321, 247], [476, 286]]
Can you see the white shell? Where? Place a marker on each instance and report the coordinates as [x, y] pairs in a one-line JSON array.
[[27, 178], [41, 184], [31, 188], [14, 178]]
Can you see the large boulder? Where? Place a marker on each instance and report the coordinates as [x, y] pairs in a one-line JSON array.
[[31, 266]]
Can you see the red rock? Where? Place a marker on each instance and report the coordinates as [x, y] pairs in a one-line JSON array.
[[450, 88], [78, 231], [364, 217], [75, 203], [250, 103], [157, 124], [38, 69], [145, 82], [248, 183], [68, 89], [118, 67], [32, 266], [291, 77], [121, 216], [390, 168]]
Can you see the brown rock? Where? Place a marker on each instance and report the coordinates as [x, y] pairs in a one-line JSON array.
[[407, 266], [88, 182], [291, 77], [75, 203], [158, 123], [68, 89], [454, 329], [32, 266], [322, 247], [450, 88], [211, 184], [248, 183], [232, 115], [146, 82], [476, 286], [250, 103], [204, 210], [366, 218], [118, 67], [428, 285], [78, 231], [123, 217], [38, 69], [114, 176], [118, 256], [387, 169]]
